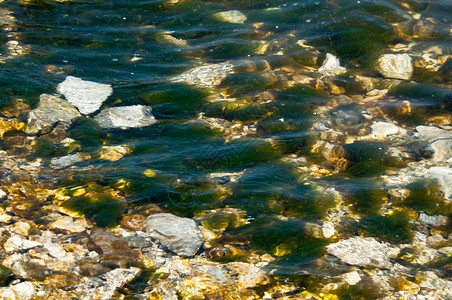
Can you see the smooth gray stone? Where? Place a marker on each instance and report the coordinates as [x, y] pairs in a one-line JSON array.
[[125, 117], [180, 235]]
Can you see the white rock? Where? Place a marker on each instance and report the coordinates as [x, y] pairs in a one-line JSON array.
[[444, 177], [112, 281], [328, 230], [55, 250], [231, 16], [361, 252], [3, 195], [65, 161], [5, 218], [16, 243], [397, 66], [431, 133], [432, 220], [331, 66], [442, 149], [207, 75], [21, 291], [180, 235], [352, 278], [125, 117], [68, 224], [87, 96], [383, 129]]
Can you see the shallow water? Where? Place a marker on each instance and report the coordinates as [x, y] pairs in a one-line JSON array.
[[175, 162]]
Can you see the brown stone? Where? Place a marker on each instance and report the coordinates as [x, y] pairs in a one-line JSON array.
[[133, 222]]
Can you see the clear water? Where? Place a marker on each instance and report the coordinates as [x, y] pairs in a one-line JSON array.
[[97, 41]]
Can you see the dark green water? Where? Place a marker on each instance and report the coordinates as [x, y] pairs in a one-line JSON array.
[[96, 41]]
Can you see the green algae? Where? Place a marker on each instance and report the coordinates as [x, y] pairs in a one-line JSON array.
[[395, 228], [100, 204], [171, 99], [5, 275], [366, 197], [424, 195], [87, 132], [287, 239], [103, 211], [361, 291], [425, 102], [366, 159]]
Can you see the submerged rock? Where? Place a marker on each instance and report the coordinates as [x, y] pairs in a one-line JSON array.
[[442, 149], [231, 16], [67, 224], [65, 161], [51, 109], [361, 252], [16, 243], [111, 281], [126, 117], [87, 96], [382, 129], [206, 75], [432, 220], [331, 66], [444, 177], [431, 133], [397, 66], [201, 279], [180, 235]]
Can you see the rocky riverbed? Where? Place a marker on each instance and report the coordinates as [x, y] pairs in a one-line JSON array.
[[360, 206]]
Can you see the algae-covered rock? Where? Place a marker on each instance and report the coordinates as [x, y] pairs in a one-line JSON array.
[[362, 252], [180, 235], [231, 16], [51, 109], [87, 96], [126, 117], [397, 66]]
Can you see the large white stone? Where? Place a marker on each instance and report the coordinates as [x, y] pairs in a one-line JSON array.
[[361, 252], [125, 117], [331, 66], [16, 243], [397, 66], [87, 96]]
